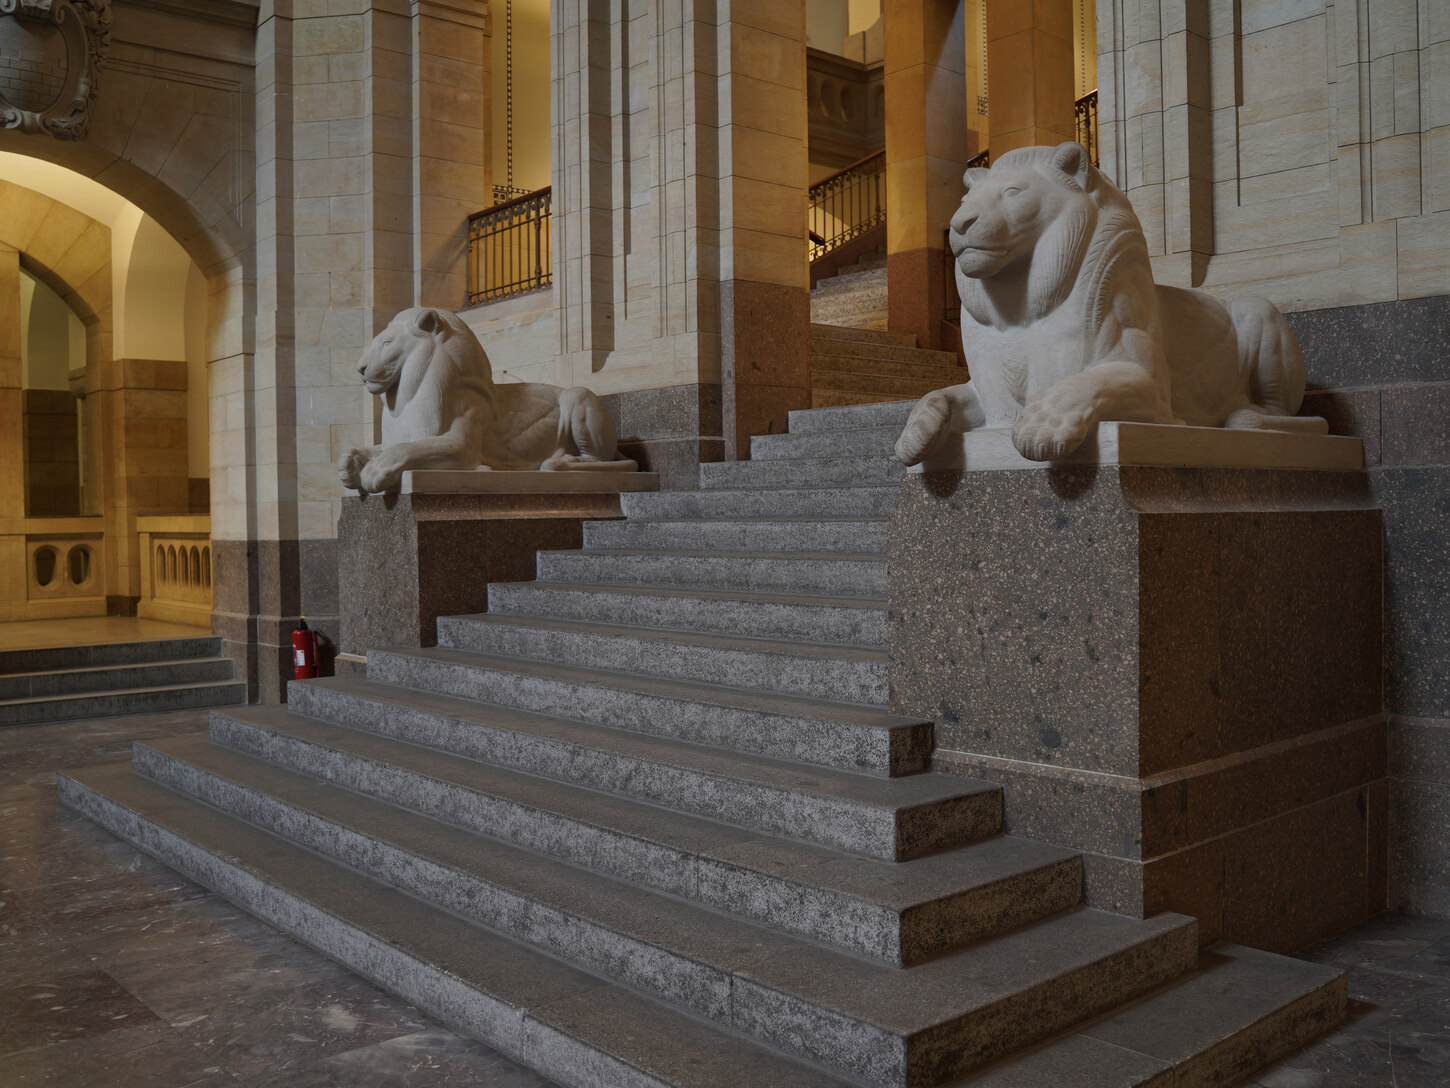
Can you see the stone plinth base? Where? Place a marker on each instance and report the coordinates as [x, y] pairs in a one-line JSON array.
[[1177, 671], [406, 559]]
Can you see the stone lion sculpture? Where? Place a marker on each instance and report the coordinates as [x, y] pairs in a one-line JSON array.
[[1063, 326], [442, 410]]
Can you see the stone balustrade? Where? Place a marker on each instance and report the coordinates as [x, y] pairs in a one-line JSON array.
[[175, 569]]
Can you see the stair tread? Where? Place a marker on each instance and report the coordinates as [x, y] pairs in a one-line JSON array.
[[896, 1001], [107, 693], [859, 789], [681, 926], [114, 666], [831, 650], [709, 594], [1219, 1019], [859, 714], [526, 988], [894, 884]]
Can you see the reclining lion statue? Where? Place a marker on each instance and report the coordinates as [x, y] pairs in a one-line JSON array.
[[1063, 326], [442, 410]]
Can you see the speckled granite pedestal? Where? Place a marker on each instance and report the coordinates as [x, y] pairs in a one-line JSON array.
[[1174, 669], [405, 559]]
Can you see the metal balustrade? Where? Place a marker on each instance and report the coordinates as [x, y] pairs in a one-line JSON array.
[[511, 248], [847, 204], [1085, 117]]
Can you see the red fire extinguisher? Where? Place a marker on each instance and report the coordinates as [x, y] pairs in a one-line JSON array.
[[304, 651]]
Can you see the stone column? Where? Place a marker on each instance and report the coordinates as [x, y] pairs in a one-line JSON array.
[[450, 161], [12, 449], [12, 453], [926, 153], [764, 272], [1030, 69]]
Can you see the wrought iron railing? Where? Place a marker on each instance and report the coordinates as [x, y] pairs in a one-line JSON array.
[[511, 248], [847, 204], [981, 160], [1085, 117]]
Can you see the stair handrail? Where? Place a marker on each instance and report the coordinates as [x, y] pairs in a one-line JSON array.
[[847, 204]]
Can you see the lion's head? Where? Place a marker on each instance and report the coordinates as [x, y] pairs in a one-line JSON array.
[[1026, 223], [395, 363]]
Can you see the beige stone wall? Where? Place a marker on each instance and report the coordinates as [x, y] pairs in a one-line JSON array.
[[1295, 148]]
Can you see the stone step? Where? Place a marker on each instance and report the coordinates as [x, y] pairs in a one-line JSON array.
[[840, 369], [108, 653], [845, 736], [798, 573], [803, 472], [98, 678], [1239, 1011], [844, 398], [104, 704], [568, 1024], [923, 1025], [872, 352], [862, 336], [861, 442], [803, 502], [869, 416], [851, 279], [844, 536], [863, 312], [880, 384], [842, 621], [896, 912], [366, 738], [816, 670]]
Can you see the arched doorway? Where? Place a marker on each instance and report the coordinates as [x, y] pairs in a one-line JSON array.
[[105, 404]]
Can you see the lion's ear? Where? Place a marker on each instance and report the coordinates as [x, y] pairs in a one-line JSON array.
[[1072, 159], [974, 175], [429, 323]]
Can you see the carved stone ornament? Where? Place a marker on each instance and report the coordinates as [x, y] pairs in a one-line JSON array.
[[51, 52], [442, 410], [1063, 326]]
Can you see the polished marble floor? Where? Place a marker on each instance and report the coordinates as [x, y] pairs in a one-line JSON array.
[[116, 972], [89, 631]]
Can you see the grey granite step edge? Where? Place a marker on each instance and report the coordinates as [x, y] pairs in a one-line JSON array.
[[50, 683], [838, 620], [937, 1021], [796, 668], [849, 417], [803, 472], [679, 950], [108, 653], [1240, 1011], [865, 502], [800, 573], [756, 796], [105, 704], [872, 442], [897, 912], [843, 736], [838, 536], [567, 1024]]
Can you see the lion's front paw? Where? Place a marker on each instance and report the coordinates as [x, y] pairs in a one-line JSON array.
[[925, 427], [349, 469], [383, 472], [1045, 432]]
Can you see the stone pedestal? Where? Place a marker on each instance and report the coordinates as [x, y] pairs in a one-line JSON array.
[[1174, 669], [405, 559]]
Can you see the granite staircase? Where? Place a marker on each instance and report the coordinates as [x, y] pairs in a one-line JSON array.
[[852, 366], [649, 821], [67, 682], [855, 297]]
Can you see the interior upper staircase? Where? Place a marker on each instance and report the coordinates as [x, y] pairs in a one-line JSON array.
[[650, 822], [864, 366], [65, 682]]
